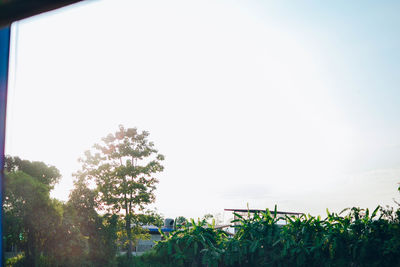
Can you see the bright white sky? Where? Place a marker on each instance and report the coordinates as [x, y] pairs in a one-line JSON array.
[[252, 102]]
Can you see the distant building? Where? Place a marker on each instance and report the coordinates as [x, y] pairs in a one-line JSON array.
[[145, 245]]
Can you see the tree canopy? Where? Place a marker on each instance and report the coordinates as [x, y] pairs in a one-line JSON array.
[[43, 173], [123, 166]]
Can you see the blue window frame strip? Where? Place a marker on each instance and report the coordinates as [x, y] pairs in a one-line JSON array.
[[4, 58]]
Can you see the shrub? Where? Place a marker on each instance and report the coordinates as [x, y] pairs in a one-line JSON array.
[[16, 261]]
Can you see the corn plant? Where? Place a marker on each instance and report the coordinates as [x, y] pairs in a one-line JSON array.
[[256, 241], [195, 244], [354, 237]]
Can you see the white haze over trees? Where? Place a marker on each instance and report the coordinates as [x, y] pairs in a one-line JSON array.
[[251, 102]]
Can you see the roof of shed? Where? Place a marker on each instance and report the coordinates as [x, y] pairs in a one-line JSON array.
[[257, 210]]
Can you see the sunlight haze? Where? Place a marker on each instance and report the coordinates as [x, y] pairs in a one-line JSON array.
[[251, 102]]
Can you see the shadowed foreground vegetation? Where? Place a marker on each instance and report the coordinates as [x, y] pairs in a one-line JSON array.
[[358, 238], [95, 223]]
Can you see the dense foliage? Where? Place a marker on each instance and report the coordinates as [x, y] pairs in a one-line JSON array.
[[358, 238], [49, 232], [31, 217]]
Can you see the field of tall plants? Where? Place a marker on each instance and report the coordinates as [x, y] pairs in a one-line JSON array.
[[355, 237]]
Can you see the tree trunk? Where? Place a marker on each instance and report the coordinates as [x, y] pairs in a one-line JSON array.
[[32, 254], [129, 234]]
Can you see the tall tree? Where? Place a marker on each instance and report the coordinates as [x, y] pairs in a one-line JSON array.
[[123, 167], [32, 217]]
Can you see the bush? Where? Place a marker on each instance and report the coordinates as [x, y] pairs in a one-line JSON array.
[[20, 261], [17, 261]]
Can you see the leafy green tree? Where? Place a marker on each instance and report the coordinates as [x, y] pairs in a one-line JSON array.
[[32, 217], [43, 173], [180, 221], [99, 232], [122, 167], [42, 227]]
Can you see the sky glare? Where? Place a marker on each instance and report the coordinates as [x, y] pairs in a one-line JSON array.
[[251, 102]]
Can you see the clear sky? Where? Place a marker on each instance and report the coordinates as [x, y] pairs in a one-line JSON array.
[[258, 102]]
